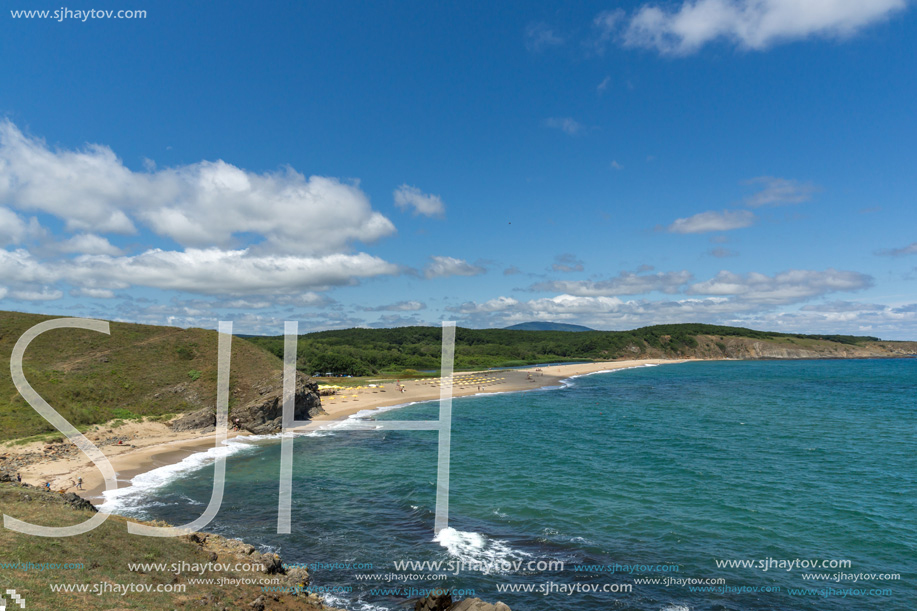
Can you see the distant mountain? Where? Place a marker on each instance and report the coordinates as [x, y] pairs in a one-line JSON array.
[[547, 326]]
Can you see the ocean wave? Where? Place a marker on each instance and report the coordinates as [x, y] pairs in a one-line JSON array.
[[136, 493], [475, 549], [357, 605]]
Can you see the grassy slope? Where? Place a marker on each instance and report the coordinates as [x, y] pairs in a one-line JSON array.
[[105, 553], [142, 370]]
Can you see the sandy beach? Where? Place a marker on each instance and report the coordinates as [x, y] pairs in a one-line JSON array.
[[149, 445]]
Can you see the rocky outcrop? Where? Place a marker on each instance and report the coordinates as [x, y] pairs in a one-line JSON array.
[[203, 420], [262, 415], [291, 579], [443, 602]]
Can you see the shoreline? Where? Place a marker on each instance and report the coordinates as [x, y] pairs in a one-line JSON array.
[[154, 445]]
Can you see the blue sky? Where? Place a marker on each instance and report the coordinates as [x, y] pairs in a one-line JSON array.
[[377, 164]]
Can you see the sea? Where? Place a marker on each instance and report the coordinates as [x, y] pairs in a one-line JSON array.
[[700, 486]]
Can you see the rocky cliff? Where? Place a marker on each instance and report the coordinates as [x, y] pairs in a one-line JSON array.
[[264, 414], [794, 348]]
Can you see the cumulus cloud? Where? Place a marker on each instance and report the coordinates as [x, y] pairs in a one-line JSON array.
[[89, 244], [567, 263], [412, 198], [568, 125], [749, 24], [626, 283], [14, 229], [218, 272], [910, 249], [721, 253], [792, 286], [205, 204], [240, 232], [209, 271], [779, 191], [713, 221], [512, 270], [539, 36], [441, 267]]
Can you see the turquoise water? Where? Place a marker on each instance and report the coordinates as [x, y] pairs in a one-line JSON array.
[[682, 465]]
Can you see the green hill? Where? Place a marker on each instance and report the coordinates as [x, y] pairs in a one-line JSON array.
[[138, 370], [363, 352]]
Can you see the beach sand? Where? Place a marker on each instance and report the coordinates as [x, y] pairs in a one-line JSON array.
[[150, 445]]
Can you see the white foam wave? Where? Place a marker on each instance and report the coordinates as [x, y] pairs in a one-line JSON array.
[[357, 605], [479, 551], [135, 493]]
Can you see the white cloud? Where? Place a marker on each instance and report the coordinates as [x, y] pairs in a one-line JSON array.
[[205, 204], [208, 272], [539, 36], [19, 267], [778, 191], [749, 24], [217, 272], [568, 125], [792, 286], [713, 221], [626, 283], [616, 166], [441, 267], [14, 230], [604, 84], [89, 244], [407, 197]]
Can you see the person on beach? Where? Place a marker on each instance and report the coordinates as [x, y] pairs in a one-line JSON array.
[[48, 486], [79, 483], [19, 478]]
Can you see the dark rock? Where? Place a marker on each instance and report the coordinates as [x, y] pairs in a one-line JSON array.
[[265, 414], [203, 419], [78, 502], [271, 563], [434, 602]]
